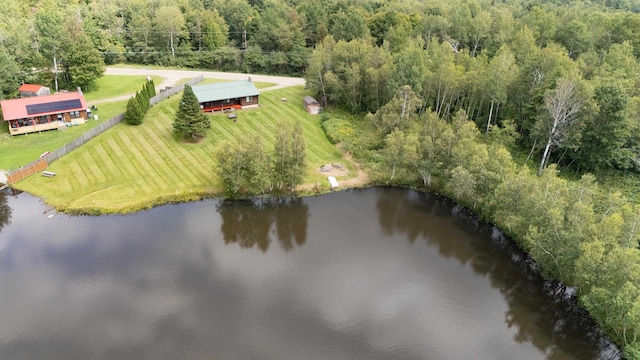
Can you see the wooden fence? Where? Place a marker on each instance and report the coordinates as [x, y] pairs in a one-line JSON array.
[[26, 171], [54, 155], [174, 90]]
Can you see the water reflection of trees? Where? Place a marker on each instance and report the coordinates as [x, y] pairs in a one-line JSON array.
[[534, 306], [5, 210], [251, 224]]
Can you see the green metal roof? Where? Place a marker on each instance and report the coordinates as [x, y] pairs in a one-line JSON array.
[[225, 90]]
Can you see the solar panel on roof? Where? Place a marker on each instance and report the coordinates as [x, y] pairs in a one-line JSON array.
[[53, 106]]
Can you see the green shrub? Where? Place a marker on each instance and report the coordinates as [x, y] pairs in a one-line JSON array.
[[338, 130]]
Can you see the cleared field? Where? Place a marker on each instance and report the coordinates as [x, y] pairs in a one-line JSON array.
[[129, 168], [16, 151]]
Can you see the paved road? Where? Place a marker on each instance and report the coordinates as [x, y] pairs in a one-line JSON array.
[[172, 77]]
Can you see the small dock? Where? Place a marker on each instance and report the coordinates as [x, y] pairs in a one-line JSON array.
[[333, 182]]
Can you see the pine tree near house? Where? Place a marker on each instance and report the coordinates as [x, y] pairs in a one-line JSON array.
[[151, 88], [190, 123], [143, 101], [134, 114]]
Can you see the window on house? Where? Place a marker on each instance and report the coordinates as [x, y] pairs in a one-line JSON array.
[[227, 101], [249, 98], [74, 114]]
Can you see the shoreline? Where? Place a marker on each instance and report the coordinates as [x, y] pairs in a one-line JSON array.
[[360, 180], [308, 191]]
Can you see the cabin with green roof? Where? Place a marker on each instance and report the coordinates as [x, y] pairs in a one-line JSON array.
[[227, 95]]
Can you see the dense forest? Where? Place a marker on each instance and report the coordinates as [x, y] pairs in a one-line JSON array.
[[481, 100]]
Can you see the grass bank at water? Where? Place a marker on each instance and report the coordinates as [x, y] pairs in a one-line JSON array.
[[129, 168]]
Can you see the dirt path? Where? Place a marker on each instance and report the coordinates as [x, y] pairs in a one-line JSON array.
[[172, 77]]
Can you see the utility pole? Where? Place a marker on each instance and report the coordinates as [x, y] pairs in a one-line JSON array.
[[244, 39]]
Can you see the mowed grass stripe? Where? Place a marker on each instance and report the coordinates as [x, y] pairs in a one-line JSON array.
[[153, 154], [161, 172], [112, 170], [131, 174], [205, 154], [166, 160], [78, 179], [97, 164], [147, 172], [85, 162], [198, 164], [171, 158]]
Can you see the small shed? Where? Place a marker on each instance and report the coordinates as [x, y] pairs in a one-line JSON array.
[[311, 105], [30, 90]]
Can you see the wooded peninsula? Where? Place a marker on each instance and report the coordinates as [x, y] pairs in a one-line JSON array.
[[527, 112]]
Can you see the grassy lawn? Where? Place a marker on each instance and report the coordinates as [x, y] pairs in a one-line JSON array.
[[109, 86], [20, 150], [131, 168]]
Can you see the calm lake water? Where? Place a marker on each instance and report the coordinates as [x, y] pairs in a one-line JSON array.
[[360, 274]]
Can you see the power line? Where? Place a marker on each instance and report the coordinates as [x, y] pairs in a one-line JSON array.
[[129, 52], [177, 31]]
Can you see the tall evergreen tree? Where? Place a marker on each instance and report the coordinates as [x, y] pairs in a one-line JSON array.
[[151, 88], [134, 114], [81, 60], [142, 99], [190, 122]]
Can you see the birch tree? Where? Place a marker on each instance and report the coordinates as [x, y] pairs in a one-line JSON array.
[[563, 105], [169, 24], [289, 157], [500, 73]]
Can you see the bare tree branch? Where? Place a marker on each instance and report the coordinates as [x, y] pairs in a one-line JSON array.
[[563, 104]]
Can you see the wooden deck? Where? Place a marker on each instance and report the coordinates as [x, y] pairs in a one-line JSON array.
[[55, 125], [221, 108]]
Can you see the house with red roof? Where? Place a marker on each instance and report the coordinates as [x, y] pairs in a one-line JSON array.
[[48, 112], [30, 90]]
